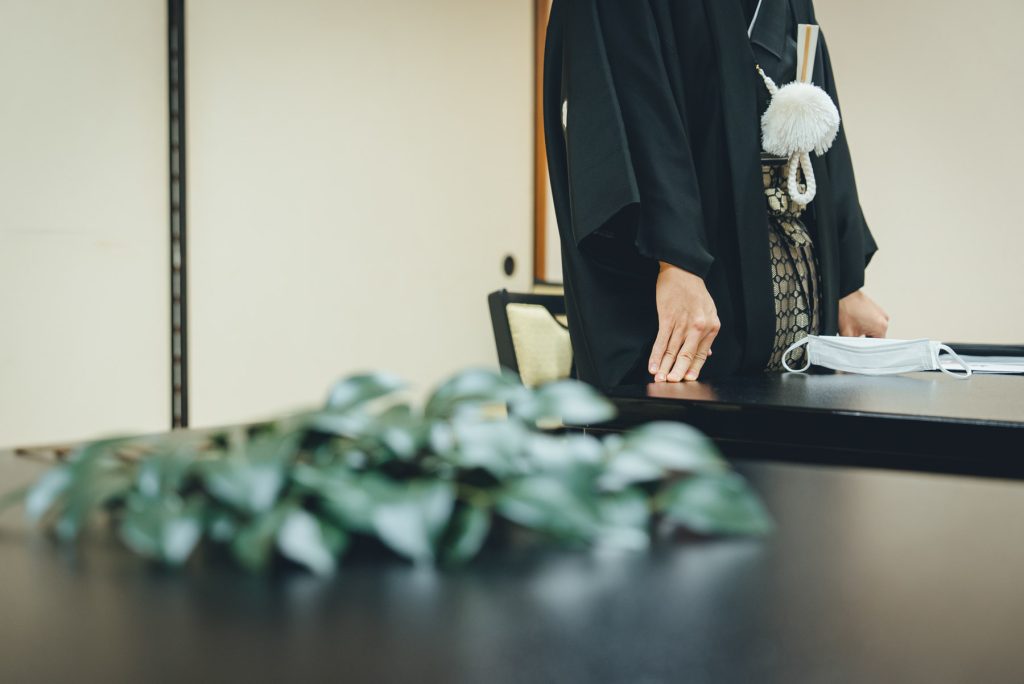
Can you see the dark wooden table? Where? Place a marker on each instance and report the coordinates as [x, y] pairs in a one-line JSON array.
[[920, 421], [872, 576]]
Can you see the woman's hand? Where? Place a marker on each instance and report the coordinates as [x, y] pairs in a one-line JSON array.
[[859, 315], [687, 326]]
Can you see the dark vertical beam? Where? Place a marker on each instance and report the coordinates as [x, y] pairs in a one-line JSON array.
[[541, 12], [178, 215]]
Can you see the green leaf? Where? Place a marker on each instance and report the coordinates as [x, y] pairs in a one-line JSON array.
[[89, 478], [359, 389], [346, 497], [252, 480], [546, 452], [96, 481], [221, 525], [401, 432], [625, 517], [674, 447], [84, 500], [164, 472], [411, 522], [496, 445], [715, 504], [628, 468], [442, 438], [164, 529], [252, 488], [549, 453], [335, 539], [47, 492], [569, 401], [352, 423], [466, 534], [472, 388], [585, 449], [623, 539], [651, 452], [303, 539], [548, 504], [254, 543], [629, 508]]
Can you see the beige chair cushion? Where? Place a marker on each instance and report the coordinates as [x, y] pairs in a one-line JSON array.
[[542, 346]]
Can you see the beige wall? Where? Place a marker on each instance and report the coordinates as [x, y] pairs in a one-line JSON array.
[[83, 216], [933, 101], [358, 172]]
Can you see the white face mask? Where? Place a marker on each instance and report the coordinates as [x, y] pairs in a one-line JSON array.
[[869, 356]]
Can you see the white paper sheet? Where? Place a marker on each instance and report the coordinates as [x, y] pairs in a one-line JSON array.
[[1004, 365]]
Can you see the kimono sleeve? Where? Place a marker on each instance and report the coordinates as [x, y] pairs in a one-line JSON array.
[[856, 244], [631, 174]]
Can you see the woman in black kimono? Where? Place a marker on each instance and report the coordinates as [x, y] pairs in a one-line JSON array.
[[681, 252]]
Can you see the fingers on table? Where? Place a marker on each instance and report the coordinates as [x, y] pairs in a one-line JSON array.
[[699, 337], [672, 351], [660, 347], [703, 352]]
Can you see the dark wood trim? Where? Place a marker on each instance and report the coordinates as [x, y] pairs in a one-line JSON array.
[[178, 211], [542, 9]]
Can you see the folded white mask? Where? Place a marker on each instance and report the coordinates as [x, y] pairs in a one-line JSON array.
[[869, 356]]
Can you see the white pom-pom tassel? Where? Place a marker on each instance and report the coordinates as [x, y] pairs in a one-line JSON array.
[[800, 119]]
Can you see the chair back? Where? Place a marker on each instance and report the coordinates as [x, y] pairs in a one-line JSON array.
[[531, 336]]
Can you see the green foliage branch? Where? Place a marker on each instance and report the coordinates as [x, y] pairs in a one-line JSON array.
[[431, 484]]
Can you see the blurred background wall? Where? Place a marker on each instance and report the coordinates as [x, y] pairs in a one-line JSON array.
[[358, 172], [84, 330], [932, 99]]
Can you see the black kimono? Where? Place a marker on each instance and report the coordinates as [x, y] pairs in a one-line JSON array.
[[659, 160]]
